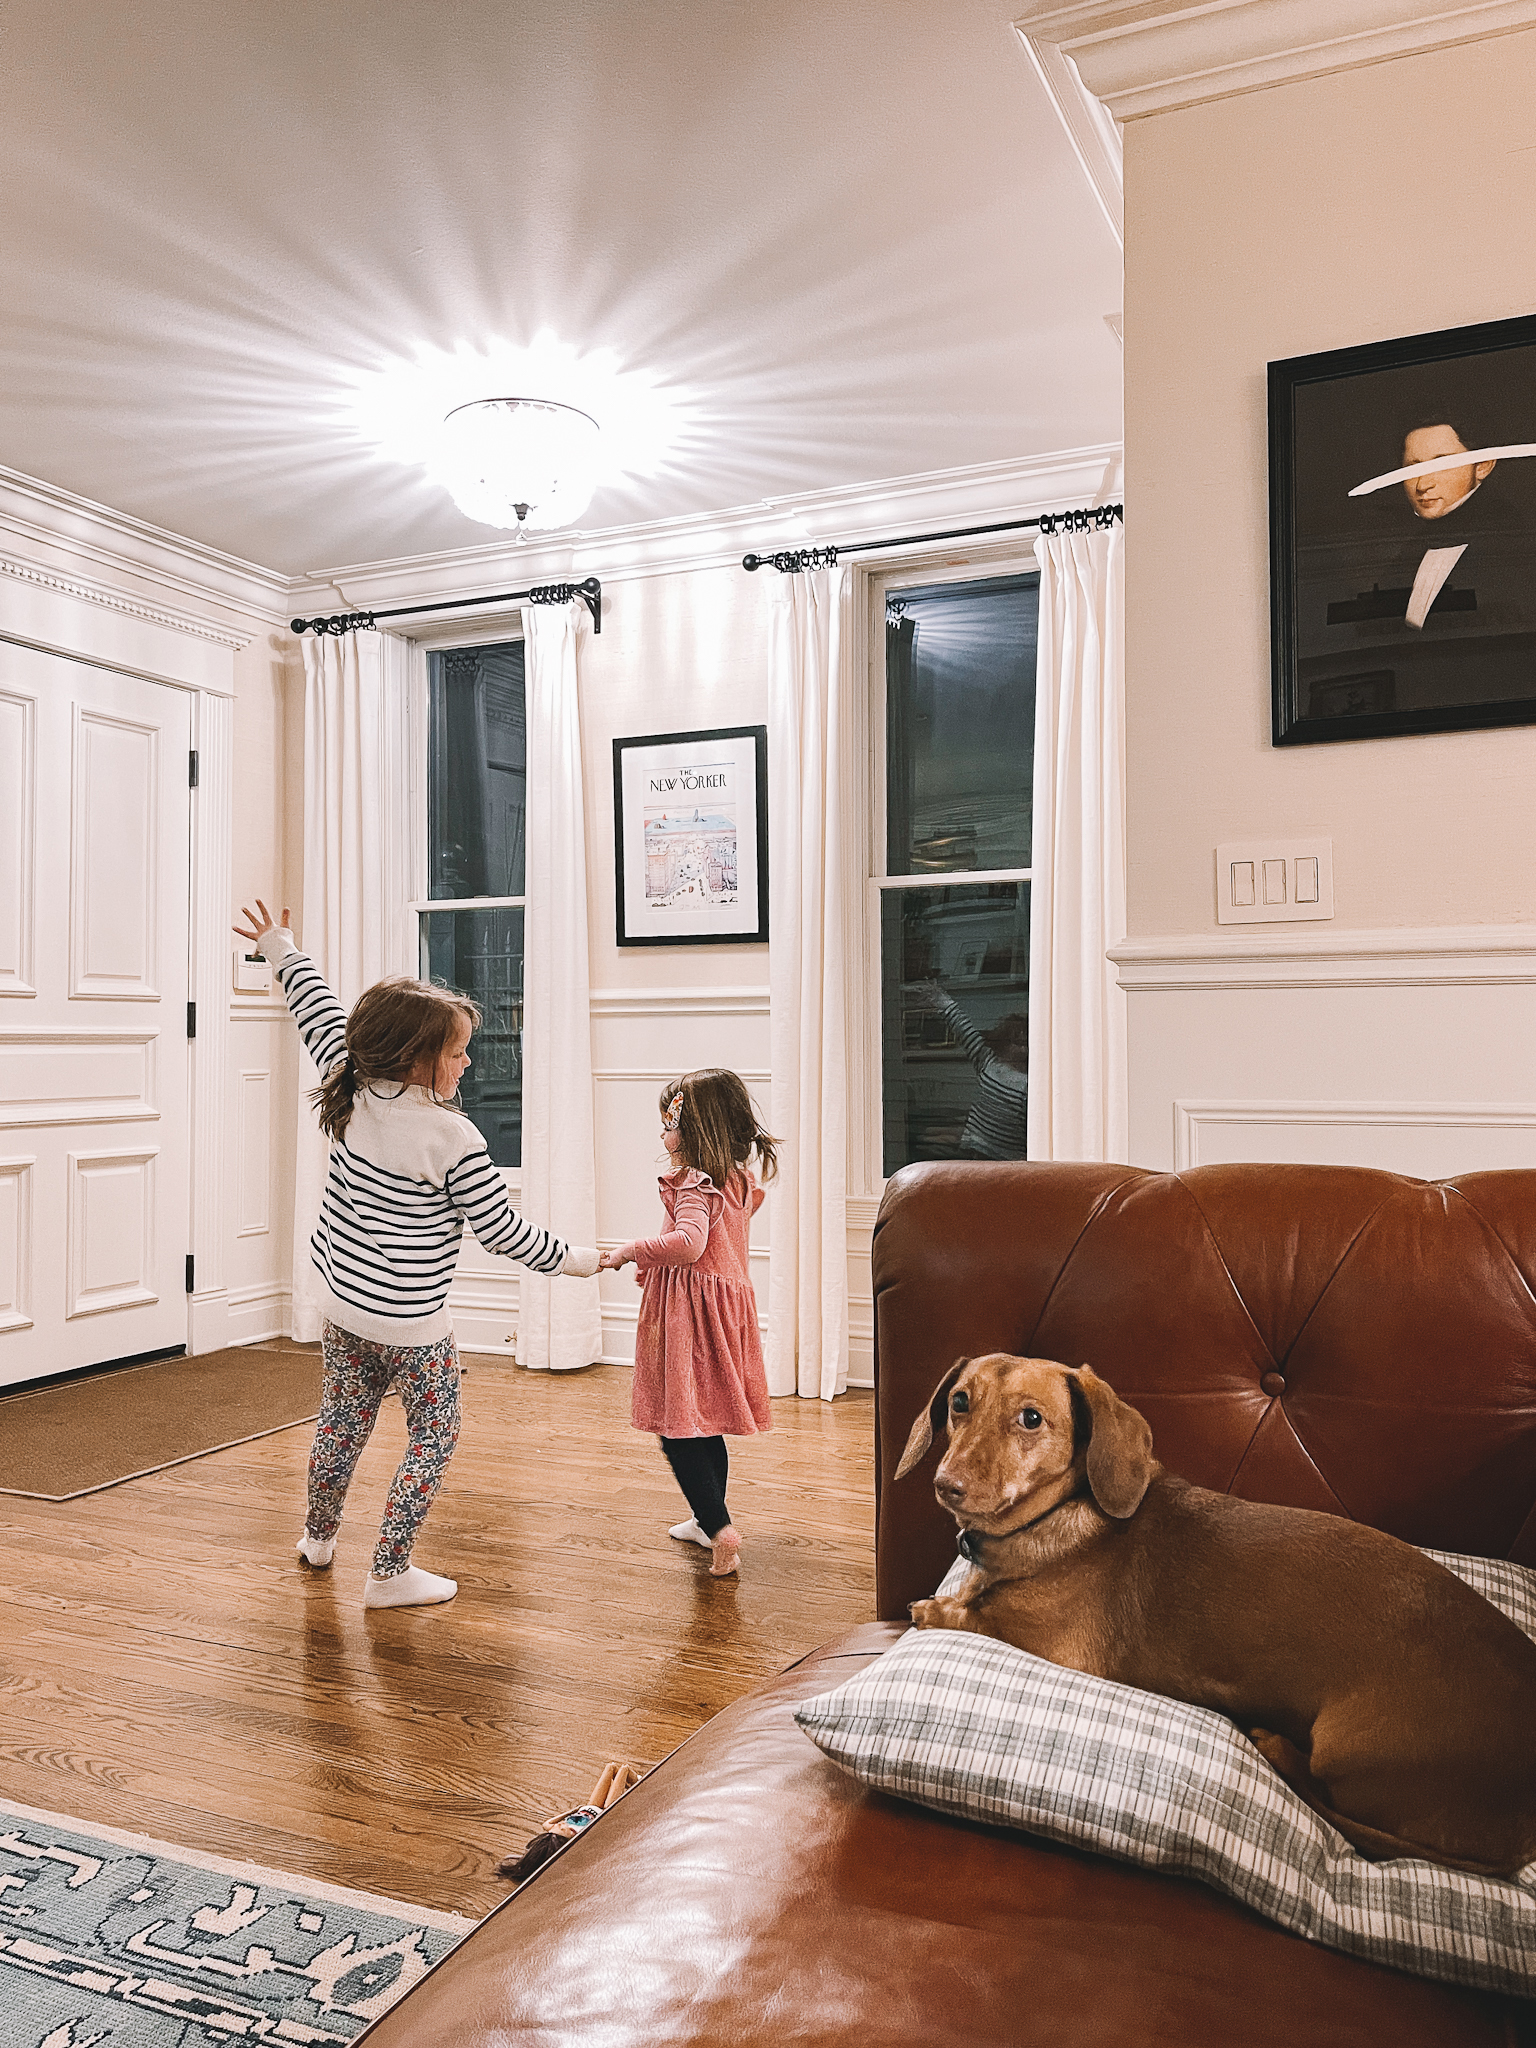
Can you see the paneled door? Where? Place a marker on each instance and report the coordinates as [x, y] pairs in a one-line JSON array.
[[94, 1113]]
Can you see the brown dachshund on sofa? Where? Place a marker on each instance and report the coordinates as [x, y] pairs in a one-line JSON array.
[[1396, 1701]]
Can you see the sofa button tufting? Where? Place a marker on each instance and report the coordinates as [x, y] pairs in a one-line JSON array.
[[1273, 1383]]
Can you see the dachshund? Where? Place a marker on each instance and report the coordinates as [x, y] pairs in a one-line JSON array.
[[1395, 1700]]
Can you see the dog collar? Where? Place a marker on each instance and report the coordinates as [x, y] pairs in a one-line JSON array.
[[968, 1543]]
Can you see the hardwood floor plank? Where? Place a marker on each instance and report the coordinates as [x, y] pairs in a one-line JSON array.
[[169, 1666]]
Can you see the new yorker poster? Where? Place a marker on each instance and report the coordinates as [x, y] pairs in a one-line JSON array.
[[691, 837]]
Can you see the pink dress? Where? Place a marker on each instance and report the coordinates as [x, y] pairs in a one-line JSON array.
[[698, 1357]]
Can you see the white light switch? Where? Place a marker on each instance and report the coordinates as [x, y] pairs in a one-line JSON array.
[[1262, 881]]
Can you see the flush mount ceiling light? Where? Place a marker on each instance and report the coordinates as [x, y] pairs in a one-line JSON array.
[[502, 426], [524, 463]]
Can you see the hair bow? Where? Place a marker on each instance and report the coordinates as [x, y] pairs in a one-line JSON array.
[[674, 1113]]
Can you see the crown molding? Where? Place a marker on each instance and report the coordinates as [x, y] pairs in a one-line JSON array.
[[114, 600], [1092, 129], [108, 558], [718, 540], [1144, 59]]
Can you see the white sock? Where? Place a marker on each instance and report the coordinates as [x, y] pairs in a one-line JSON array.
[[690, 1532], [316, 1550], [411, 1588]]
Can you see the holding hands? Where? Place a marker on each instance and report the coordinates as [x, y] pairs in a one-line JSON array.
[[614, 1261]]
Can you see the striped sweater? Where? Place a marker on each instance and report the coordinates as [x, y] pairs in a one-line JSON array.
[[997, 1125], [403, 1180]]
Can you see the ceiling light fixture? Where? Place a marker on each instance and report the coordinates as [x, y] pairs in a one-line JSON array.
[[524, 463], [590, 426]]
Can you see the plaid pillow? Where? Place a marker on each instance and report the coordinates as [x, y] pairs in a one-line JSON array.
[[977, 1728]]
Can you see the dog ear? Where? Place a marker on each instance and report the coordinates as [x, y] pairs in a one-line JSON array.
[[1119, 1443], [930, 1420]]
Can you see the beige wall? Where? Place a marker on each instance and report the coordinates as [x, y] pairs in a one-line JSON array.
[[1387, 201]]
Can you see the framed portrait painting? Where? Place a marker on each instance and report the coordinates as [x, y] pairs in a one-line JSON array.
[[1402, 505], [690, 836]]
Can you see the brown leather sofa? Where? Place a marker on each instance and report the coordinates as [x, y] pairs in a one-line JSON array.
[[1330, 1337]]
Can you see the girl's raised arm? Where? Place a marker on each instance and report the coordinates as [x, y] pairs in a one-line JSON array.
[[321, 1020]]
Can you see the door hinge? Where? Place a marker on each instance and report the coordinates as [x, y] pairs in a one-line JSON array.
[[191, 1020], [192, 769], [191, 1267]]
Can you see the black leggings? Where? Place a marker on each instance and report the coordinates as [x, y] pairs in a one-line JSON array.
[[700, 1465]]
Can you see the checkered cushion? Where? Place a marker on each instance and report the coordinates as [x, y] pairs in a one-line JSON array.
[[978, 1728]]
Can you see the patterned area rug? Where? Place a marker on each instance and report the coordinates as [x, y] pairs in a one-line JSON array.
[[114, 1938]]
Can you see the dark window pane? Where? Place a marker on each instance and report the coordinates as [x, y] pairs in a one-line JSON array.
[[960, 725], [477, 772], [954, 987], [480, 953]]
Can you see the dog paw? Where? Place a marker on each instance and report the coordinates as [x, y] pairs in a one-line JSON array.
[[924, 1613]]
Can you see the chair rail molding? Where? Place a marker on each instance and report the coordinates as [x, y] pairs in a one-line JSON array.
[[1457, 956], [1139, 59]]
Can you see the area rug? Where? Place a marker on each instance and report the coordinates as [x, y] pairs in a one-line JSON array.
[[113, 1938], [57, 1443]]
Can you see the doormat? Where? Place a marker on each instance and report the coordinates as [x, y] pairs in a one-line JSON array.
[[114, 1938], [57, 1443]]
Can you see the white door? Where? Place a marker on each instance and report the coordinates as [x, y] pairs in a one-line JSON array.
[[95, 817]]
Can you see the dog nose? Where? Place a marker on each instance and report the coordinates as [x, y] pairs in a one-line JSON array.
[[950, 1491]]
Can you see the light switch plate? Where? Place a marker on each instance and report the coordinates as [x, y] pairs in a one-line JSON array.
[[1274, 881]]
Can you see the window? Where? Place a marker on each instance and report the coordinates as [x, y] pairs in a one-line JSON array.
[[476, 812], [951, 872]]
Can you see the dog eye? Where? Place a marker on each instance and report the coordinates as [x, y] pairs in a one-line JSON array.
[[960, 1404], [1031, 1418]]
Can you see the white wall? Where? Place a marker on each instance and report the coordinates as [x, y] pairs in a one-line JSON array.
[[1313, 215]]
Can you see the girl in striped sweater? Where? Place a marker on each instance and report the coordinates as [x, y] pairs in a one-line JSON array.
[[407, 1172]]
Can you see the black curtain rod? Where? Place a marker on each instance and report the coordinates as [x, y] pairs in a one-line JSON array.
[[590, 592], [788, 560]]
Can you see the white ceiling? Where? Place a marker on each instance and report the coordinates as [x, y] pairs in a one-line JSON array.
[[851, 235]]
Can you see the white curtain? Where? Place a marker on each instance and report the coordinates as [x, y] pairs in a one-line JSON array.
[[560, 1321], [343, 916], [807, 1351], [1077, 1027]]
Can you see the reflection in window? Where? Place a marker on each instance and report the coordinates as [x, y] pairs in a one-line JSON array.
[[476, 814], [954, 976], [480, 953], [478, 778], [954, 956], [960, 725]]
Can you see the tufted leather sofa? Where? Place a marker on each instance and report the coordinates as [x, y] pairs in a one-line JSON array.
[[1334, 1338]]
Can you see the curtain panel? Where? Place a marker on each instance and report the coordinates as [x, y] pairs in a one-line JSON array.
[[1077, 1016], [807, 1349], [560, 1321], [343, 915]]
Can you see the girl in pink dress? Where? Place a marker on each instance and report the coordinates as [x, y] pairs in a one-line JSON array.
[[698, 1360]]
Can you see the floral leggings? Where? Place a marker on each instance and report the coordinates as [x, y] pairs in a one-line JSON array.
[[358, 1373]]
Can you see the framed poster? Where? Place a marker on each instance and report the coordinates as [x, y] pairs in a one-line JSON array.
[[1402, 533], [690, 837]]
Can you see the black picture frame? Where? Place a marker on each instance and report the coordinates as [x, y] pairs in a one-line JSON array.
[[1353, 558], [670, 874]]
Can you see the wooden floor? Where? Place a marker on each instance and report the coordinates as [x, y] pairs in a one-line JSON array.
[[167, 1665]]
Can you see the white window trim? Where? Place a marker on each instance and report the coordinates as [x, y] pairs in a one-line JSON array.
[[864, 807]]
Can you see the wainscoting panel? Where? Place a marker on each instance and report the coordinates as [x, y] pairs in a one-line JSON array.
[[253, 1217], [16, 1243], [1407, 1050], [18, 851], [114, 908], [110, 1260]]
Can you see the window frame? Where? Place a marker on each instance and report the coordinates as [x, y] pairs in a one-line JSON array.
[[865, 795], [498, 631]]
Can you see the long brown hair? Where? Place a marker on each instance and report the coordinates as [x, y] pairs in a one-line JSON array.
[[395, 1027], [718, 1130]]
